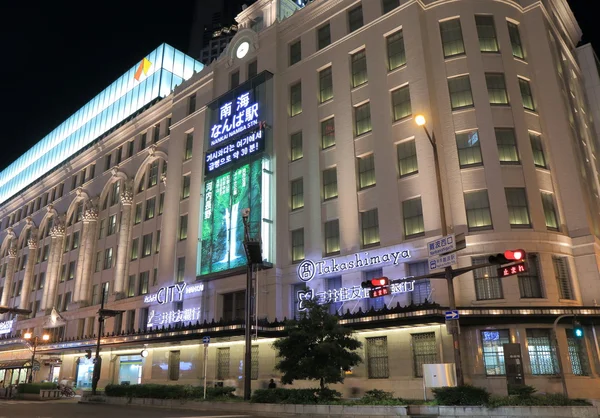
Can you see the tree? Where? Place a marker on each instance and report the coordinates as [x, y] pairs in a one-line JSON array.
[[316, 347]]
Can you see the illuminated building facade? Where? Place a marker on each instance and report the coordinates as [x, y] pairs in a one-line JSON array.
[[308, 121]]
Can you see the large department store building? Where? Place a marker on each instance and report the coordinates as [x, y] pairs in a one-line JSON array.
[[307, 119]]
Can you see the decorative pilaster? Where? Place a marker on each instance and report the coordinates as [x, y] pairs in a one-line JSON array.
[[53, 270], [123, 244], [86, 256], [33, 245], [10, 275]]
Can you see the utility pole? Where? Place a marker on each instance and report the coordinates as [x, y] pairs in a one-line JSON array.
[[561, 368]]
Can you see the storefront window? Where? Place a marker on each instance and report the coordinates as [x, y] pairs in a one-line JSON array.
[[492, 342], [85, 369], [130, 370]]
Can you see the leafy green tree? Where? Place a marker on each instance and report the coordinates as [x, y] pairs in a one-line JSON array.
[[316, 347]]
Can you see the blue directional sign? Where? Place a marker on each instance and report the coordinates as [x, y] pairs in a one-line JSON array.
[[206, 340], [451, 315]]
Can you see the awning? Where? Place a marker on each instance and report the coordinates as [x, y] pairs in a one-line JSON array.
[[16, 364]]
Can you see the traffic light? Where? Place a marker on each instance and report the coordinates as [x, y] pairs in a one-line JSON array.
[[376, 293], [509, 256], [88, 354], [374, 283], [577, 330]]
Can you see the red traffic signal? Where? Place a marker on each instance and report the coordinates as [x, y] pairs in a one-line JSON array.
[[516, 255], [374, 283]]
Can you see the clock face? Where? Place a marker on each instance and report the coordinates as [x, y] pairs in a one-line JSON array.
[[242, 50]]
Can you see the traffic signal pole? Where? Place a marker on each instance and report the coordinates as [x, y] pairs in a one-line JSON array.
[[97, 360], [561, 369]]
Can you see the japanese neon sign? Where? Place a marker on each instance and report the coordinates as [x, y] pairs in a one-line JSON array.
[[6, 327], [236, 150], [235, 118], [512, 270], [173, 317]]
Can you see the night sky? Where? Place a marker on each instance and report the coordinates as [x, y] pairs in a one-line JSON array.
[[56, 56]]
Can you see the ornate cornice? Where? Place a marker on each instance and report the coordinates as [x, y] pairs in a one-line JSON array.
[[58, 231]]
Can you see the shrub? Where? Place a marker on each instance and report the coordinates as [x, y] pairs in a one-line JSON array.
[[218, 392], [466, 395], [151, 390], [377, 395], [295, 396], [522, 391], [35, 388], [536, 400]]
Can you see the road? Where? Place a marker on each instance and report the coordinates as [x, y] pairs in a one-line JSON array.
[[69, 409]]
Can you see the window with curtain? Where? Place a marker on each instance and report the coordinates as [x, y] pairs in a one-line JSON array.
[[452, 39], [486, 32], [362, 119], [328, 133], [550, 211], [477, 205], [488, 285], [407, 158], [518, 210], [295, 52], [147, 245], [108, 258], [144, 282], [180, 271], [542, 355], [515, 41], [396, 54], [131, 286], [297, 245], [330, 190], [189, 145], [332, 237], [325, 85], [563, 277], [153, 174], [530, 282], [297, 194], [138, 213], [507, 145], [492, 345], [358, 64], [185, 186], [539, 159], [412, 212], [460, 92], [401, 103], [369, 223], [355, 18], [526, 95], [183, 221], [324, 36], [296, 146], [496, 86], [150, 206], [366, 171], [296, 99], [469, 149]]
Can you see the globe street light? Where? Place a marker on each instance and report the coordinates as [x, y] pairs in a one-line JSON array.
[[34, 343]]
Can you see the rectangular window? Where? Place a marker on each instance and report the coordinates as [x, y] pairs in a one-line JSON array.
[[296, 146], [144, 282], [153, 174], [131, 146], [180, 273], [425, 351], [157, 245], [377, 358], [108, 258], [488, 285], [295, 52], [325, 85], [174, 364], [143, 141], [71, 274], [46, 252], [154, 277], [396, 54], [486, 31], [460, 92], [115, 193], [296, 99], [112, 224], [507, 145], [223, 363], [358, 64], [563, 277], [492, 344], [389, 5], [401, 103], [328, 133], [477, 205], [550, 211], [134, 248], [131, 286], [234, 79], [526, 95], [518, 211], [189, 145], [42, 281], [539, 159], [542, 355], [75, 241], [422, 291], [191, 104], [138, 213], [252, 69], [330, 189], [155, 134], [297, 245], [530, 283], [355, 19], [297, 194], [234, 305], [183, 221], [580, 364], [150, 205], [102, 228], [452, 39], [412, 211], [98, 261], [324, 36], [332, 237], [515, 41], [362, 119], [369, 224], [147, 245], [469, 149], [496, 87], [407, 158], [130, 321], [107, 162], [366, 171], [185, 186]]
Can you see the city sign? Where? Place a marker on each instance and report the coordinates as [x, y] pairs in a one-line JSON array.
[[238, 149], [173, 317], [173, 293], [442, 245], [346, 294], [235, 118], [512, 270], [6, 327], [442, 261], [308, 269]]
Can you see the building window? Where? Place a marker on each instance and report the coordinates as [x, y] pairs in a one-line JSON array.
[[234, 79], [131, 286], [412, 211], [496, 86], [325, 85], [252, 69], [150, 205], [189, 144], [295, 52], [362, 119], [460, 92], [296, 146], [107, 162], [518, 211], [369, 224], [328, 133], [180, 271], [401, 103], [75, 241], [507, 145], [492, 344], [515, 41], [396, 53], [296, 99], [477, 205], [143, 141], [377, 358], [153, 174], [98, 262], [422, 289], [147, 245], [366, 171], [191, 104], [488, 285], [323, 36], [332, 237], [185, 186], [297, 245], [182, 233], [526, 95], [407, 158], [389, 5], [297, 193], [71, 274], [550, 211], [134, 248], [578, 355], [355, 19], [112, 225], [530, 284], [539, 159], [161, 203], [222, 363], [563, 277], [234, 305], [452, 40], [138, 213], [424, 351], [330, 189], [254, 364], [108, 257], [542, 356], [358, 64], [144, 282], [174, 364], [486, 31], [469, 149]]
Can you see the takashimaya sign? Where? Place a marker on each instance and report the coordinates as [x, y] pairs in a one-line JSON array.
[[173, 293], [308, 269], [6, 327], [235, 118]]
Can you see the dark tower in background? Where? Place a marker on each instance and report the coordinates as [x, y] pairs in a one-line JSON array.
[[213, 27]]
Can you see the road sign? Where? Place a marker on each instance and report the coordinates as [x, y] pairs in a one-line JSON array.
[[442, 261], [36, 368], [206, 339], [450, 315], [512, 270], [442, 245]]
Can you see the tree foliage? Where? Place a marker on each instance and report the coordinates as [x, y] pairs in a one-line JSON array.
[[316, 347]]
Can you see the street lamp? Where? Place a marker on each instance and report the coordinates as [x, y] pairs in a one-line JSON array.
[[34, 343]]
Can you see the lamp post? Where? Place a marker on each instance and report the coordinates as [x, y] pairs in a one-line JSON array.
[[449, 273], [34, 343]]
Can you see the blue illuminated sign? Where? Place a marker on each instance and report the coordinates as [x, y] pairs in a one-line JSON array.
[[236, 150], [491, 335], [234, 123]]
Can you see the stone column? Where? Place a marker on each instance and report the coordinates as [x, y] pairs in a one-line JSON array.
[[84, 263], [123, 244], [53, 270], [10, 275], [32, 243]]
